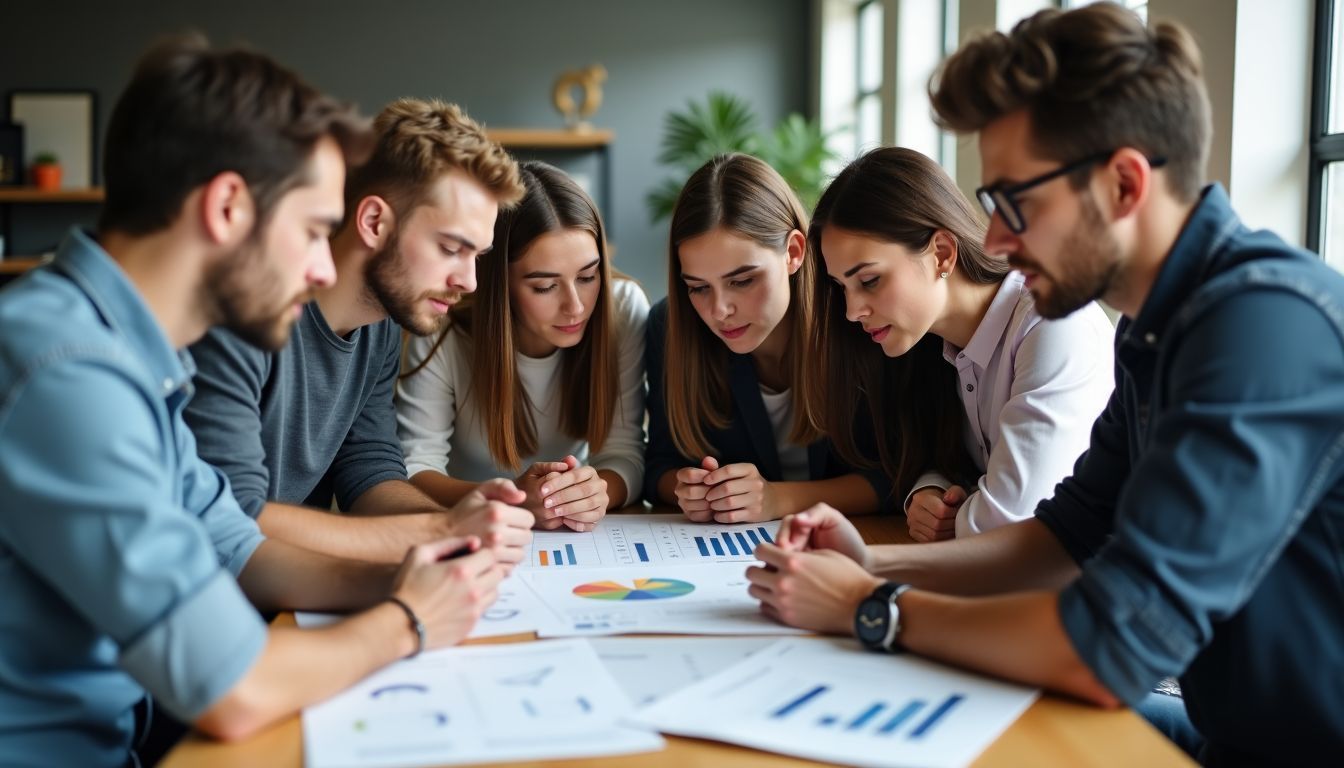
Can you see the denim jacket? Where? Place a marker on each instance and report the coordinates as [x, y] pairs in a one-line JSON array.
[[1208, 514]]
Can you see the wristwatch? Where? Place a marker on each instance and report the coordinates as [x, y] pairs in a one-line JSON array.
[[877, 621]]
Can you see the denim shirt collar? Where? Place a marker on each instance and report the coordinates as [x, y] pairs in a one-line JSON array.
[[1187, 266], [124, 310]]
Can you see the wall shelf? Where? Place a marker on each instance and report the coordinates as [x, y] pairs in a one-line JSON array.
[[546, 138], [42, 196]]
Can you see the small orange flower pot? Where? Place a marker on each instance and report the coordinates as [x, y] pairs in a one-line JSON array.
[[47, 176]]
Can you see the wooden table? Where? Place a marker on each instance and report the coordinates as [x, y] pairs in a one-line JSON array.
[[1054, 732]]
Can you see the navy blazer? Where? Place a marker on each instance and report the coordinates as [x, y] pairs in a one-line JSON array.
[[749, 436]]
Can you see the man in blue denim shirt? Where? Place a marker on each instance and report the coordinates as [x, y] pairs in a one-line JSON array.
[[128, 567], [1202, 534]]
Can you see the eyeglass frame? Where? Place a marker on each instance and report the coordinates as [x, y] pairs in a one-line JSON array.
[[986, 195]]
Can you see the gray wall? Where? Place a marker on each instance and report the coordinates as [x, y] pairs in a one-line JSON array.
[[498, 59]]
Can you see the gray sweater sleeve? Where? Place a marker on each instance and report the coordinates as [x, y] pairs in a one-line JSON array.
[[371, 452], [225, 413]]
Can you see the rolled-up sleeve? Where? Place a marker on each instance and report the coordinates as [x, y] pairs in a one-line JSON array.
[[1235, 460], [104, 527], [623, 451]]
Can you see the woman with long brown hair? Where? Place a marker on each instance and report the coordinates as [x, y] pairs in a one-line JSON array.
[[727, 442], [541, 370], [983, 407]]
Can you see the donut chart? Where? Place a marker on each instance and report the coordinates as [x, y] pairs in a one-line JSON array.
[[642, 589]]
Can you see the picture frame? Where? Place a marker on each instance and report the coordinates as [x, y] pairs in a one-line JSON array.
[[61, 122], [11, 155]]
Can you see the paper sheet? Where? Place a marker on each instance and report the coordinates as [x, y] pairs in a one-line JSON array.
[[516, 611], [631, 540], [649, 668], [835, 701], [476, 704], [682, 599]]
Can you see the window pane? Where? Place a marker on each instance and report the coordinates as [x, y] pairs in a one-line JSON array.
[[870, 47], [869, 133], [1336, 80], [1332, 217]]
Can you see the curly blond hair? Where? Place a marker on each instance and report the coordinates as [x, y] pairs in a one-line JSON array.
[[1092, 79], [418, 141]]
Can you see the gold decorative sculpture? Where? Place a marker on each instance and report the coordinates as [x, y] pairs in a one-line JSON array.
[[590, 80]]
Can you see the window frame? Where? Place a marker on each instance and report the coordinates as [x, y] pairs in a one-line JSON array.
[[1325, 148]]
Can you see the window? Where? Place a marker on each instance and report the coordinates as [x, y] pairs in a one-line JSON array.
[[868, 76], [1325, 209], [1138, 6]]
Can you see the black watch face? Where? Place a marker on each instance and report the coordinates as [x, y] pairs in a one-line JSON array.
[[871, 623]]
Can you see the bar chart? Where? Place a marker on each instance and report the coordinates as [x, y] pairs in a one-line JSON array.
[[834, 701], [648, 539], [881, 718]]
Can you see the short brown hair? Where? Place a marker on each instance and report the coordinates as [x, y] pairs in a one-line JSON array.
[[744, 195], [418, 141], [1094, 79], [191, 113]]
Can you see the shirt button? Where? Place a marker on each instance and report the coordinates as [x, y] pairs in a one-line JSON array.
[[167, 385], [970, 387], [1151, 338]]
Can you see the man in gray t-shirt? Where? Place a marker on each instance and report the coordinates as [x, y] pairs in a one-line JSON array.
[[295, 428]]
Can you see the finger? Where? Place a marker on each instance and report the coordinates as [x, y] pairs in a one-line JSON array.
[[582, 490], [709, 463], [954, 495], [591, 516], [502, 489], [543, 468], [571, 462], [773, 555], [942, 511], [735, 516], [691, 475], [442, 549], [693, 492], [696, 515], [564, 480], [772, 613], [473, 565], [577, 525], [762, 594], [729, 472], [763, 577], [736, 501], [551, 524], [578, 506], [795, 531], [731, 488]]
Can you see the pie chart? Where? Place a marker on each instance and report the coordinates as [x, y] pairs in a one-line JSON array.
[[642, 589]]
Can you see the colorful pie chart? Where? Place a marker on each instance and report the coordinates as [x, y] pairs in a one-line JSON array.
[[643, 589]]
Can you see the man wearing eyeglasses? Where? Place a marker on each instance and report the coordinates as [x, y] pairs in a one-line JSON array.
[[1202, 534]]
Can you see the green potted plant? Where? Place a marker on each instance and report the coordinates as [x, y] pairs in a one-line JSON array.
[[725, 123], [46, 170]]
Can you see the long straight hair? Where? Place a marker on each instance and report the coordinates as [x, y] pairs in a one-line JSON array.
[[743, 195], [589, 389], [894, 195]]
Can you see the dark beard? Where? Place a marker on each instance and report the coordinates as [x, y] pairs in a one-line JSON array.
[[1095, 262], [246, 298]]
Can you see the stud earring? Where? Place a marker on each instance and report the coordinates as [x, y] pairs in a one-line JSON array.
[[942, 275]]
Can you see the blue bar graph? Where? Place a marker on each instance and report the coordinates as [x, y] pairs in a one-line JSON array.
[[784, 711], [938, 713], [865, 716], [643, 553], [700, 544], [569, 550], [728, 542], [556, 557], [900, 717], [827, 720], [755, 542], [718, 550], [742, 540], [766, 535]]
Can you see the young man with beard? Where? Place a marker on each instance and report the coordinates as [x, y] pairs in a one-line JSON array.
[[294, 427], [119, 546], [1200, 534]]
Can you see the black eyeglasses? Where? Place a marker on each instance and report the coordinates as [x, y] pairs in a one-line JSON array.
[[1001, 198]]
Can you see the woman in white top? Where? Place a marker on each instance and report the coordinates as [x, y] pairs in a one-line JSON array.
[[982, 406], [541, 371]]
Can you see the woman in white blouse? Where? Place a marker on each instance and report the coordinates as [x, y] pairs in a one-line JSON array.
[[540, 373], [981, 405]]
